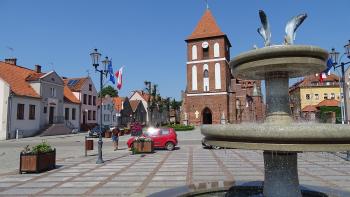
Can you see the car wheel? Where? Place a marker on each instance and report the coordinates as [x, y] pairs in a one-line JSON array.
[[169, 146]]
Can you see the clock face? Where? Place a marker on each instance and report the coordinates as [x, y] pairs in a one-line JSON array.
[[205, 45]]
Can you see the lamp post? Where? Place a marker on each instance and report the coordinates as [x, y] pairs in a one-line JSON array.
[[95, 57], [336, 60]]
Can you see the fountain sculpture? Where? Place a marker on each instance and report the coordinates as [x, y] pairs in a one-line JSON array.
[[279, 138]]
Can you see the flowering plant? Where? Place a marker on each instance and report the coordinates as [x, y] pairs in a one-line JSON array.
[[143, 139]]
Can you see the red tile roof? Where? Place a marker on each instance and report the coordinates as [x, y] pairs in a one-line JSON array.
[[134, 104], [313, 80], [143, 94], [69, 96], [118, 103], [34, 76], [329, 103], [78, 85], [309, 108], [16, 77], [206, 27]]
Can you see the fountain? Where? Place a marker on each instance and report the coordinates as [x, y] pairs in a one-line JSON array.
[[279, 138]]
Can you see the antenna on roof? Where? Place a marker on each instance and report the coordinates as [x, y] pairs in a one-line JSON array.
[[51, 65], [11, 49], [88, 72]]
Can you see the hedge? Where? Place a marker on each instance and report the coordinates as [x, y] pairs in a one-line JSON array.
[[179, 127]]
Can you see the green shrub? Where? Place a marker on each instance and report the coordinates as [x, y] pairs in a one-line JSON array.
[[43, 147], [180, 127]]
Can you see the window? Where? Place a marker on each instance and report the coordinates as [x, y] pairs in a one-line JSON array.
[[325, 96], [114, 118], [84, 99], [45, 110], [20, 111], [194, 52], [206, 73], [206, 53], [165, 132], [307, 96], [89, 115], [53, 92], [217, 76], [73, 113], [332, 96], [66, 113], [94, 100], [31, 112], [194, 77], [94, 115], [216, 50], [90, 87], [205, 78], [106, 117], [90, 100], [317, 96]]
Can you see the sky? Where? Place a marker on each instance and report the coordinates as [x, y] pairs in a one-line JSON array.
[[147, 37]]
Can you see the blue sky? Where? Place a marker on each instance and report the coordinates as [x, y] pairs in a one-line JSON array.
[[148, 36]]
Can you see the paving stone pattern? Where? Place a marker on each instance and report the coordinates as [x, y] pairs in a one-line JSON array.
[[140, 175]]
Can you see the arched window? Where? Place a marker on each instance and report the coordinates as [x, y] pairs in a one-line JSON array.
[[216, 50], [217, 76], [194, 77], [194, 52], [205, 77]]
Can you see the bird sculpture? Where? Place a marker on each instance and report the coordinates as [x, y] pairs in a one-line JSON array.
[[264, 30], [291, 27]]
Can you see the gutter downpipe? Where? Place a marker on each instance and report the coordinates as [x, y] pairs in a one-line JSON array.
[[9, 112]]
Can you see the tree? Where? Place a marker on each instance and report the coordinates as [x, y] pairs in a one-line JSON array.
[[110, 91]]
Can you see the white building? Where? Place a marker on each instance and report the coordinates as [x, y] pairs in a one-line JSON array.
[[109, 111], [84, 90], [30, 102]]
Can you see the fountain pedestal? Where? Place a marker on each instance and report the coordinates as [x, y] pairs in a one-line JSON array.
[[281, 174]]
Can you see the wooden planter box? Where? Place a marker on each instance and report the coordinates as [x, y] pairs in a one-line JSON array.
[[89, 144], [108, 134], [143, 147], [37, 162]]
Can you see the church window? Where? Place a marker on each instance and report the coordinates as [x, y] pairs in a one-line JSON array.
[[206, 53], [194, 52], [216, 50], [194, 77], [217, 76], [205, 78]]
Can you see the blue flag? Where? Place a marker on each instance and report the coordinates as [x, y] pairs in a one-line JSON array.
[[329, 65], [110, 72]]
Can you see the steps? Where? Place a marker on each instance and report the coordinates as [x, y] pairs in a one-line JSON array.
[[56, 129]]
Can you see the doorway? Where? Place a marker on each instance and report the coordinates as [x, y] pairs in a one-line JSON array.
[[207, 116], [51, 114], [84, 118]]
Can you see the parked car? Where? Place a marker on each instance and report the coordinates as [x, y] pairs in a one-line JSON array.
[[94, 132], [208, 146], [161, 137]]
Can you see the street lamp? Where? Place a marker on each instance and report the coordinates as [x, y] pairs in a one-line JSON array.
[[337, 63], [95, 57]]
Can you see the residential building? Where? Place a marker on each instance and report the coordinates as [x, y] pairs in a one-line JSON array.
[[212, 94], [126, 112], [84, 90], [31, 101], [347, 91], [143, 97], [307, 94], [109, 112], [71, 109], [139, 113]]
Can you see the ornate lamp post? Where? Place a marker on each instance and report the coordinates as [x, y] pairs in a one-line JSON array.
[[95, 57], [336, 60]]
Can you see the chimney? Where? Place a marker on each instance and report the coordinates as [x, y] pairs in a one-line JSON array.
[[12, 61], [37, 68]]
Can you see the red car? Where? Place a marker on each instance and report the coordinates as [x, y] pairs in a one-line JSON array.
[[161, 137]]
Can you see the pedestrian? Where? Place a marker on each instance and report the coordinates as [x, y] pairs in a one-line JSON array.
[[115, 138]]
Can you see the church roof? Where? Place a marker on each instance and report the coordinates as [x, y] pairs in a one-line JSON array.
[[206, 27]]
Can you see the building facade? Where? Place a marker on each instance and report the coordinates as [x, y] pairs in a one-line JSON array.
[[213, 95], [307, 94], [109, 112]]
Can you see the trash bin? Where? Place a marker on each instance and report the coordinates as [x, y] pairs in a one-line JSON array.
[[89, 144]]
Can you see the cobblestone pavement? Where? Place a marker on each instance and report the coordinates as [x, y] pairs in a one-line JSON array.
[[139, 175]]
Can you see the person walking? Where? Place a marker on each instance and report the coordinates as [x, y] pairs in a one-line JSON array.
[[115, 138]]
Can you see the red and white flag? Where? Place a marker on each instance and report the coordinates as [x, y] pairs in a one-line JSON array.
[[118, 74]]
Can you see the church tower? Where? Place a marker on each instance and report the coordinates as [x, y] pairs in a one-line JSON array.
[[208, 75]]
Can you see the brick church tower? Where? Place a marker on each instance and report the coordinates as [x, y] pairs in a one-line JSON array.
[[212, 95]]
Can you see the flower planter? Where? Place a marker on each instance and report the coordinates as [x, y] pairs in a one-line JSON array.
[[108, 134], [39, 162], [143, 147]]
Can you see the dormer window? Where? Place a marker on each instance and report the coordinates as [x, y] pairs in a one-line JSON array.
[[90, 87]]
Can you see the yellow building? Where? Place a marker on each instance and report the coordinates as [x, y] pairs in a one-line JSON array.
[[309, 92]]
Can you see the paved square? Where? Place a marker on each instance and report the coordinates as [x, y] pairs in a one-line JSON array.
[[124, 174]]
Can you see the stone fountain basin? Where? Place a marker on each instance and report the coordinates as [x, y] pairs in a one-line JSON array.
[[298, 137], [297, 60]]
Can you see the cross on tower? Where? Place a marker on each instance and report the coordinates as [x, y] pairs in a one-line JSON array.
[[196, 113]]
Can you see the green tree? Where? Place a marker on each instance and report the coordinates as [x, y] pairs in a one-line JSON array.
[[110, 91]]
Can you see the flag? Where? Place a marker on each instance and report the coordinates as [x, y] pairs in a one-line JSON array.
[[118, 74], [327, 71], [110, 72]]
